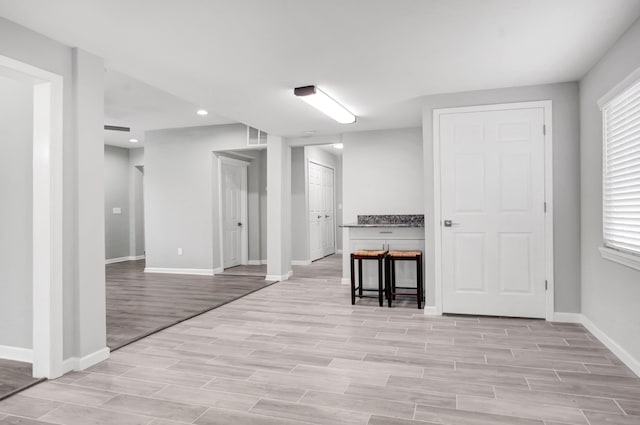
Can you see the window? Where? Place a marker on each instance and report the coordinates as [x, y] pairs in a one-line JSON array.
[[621, 173]]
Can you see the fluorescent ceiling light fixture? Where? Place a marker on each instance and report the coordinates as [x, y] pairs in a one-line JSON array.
[[338, 145], [322, 102], [202, 112], [133, 140]]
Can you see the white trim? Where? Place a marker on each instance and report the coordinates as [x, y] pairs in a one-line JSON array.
[[338, 251], [626, 357], [546, 105], [276, 277], [16, 353], [289, 274], [47, 214], [82, 363], [345, 281], [300, 262], [256, 262], [175, 270], [628, 81], [431, 310], [620, 257], [122, 259], [244, 206]]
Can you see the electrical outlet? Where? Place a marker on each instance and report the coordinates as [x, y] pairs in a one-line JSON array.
[[179, 251]]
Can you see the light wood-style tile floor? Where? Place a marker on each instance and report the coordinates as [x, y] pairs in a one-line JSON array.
[[298, 352], [140, 303], [14, 376]]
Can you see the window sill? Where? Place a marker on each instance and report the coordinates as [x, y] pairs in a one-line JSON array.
[[623, 258]]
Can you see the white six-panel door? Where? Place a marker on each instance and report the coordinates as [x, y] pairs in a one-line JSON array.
[[493, 212], [232, 214], [321, 221]]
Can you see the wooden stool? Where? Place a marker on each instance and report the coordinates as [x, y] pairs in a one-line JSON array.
[[391, 287], [360, 255]]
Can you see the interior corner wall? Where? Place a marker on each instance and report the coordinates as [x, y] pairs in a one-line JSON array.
[[263, 206], [16, 219], [610, 291], [35, 49], [566, 176], [299, 213], [117, 194], [181, 195], [136, 202]]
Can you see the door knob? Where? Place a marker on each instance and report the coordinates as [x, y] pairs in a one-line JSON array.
[[327, 216], [319, 216], [449, 223], [239, 224]]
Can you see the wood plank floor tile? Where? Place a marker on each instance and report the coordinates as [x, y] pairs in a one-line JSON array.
[[298, 352]]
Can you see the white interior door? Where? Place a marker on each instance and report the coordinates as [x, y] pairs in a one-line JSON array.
[[233, 214], [321, 219], [493, 212]]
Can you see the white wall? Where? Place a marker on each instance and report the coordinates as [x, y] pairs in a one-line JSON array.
[[116, 193], [383, 173], [566, 185], [83, 214], [16, 191], [136, 202], [181, 195], [610, 291]]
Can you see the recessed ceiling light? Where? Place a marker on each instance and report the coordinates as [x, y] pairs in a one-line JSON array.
[[322, 102], [338, 145], [133, 140], [202, 112]]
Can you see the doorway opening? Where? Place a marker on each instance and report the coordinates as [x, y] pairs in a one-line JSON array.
[[242, 215], [35, 281]]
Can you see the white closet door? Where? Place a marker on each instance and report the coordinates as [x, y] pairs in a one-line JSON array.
[[492, 183], [321, 203]]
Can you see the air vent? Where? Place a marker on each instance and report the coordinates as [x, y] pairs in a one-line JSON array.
[[256, 137]]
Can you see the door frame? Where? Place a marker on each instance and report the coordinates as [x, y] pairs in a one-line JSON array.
[[546, 105], [47, 352], [335, 230], [244, 242]]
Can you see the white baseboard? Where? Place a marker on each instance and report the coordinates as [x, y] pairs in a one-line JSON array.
[[338, 251], [431, 310], [172, 270], [16, 353], [82, 363], [346, 281], [631, 362], [256, 262], [122, 259], [289, 274], [300, 262], [276, 277]]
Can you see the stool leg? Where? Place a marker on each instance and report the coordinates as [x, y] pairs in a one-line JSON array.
[[380, 297], [387, 286], [419, 280], [393, 279], [360, 277], [353, 281]]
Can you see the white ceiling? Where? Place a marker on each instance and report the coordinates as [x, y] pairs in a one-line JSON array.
[[139, 106], [242, 59]]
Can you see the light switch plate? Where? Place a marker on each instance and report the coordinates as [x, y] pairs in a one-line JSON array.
[[117, 210]]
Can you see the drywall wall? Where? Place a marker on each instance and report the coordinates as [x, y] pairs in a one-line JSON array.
[[382, 173], [181, 195], [116, 196], [82, 204], [136, 202], [566, 169], [16, 191], [610, 291]]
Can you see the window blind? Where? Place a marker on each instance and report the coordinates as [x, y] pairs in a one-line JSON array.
[[621, 169]]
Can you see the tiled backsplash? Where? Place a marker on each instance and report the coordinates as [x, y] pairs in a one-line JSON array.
[[410, 219]]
